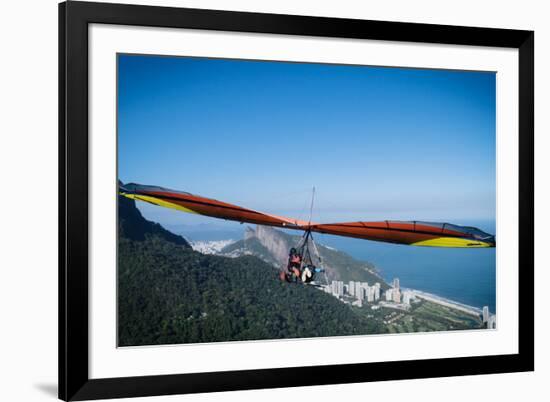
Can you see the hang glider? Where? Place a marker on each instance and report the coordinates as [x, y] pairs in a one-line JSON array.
[[414, 233]]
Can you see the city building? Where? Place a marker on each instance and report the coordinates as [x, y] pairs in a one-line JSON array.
[[396, 295], [407, 296], [389, 295], [370, 294], [359, 291], [351, 288], [377, 291], [485, 313], [396, 283], [337, 288]]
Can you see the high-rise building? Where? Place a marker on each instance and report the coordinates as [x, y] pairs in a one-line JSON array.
[[396, 295], [389, 295], [340, 288], [334, 288], [396, 283], [370, 294], [407, 298], [376, 291], [351, 288], [485, 313], [492, 322], [359, 291]]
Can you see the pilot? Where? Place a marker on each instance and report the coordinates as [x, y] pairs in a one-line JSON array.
[[294, 262]]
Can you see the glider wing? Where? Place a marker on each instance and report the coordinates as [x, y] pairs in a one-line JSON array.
[[413, 233], [187, 202]]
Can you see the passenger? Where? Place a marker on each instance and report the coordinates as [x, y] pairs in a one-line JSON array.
[[307, 274]]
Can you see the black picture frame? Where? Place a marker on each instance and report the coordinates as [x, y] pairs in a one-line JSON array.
[[74, 381]]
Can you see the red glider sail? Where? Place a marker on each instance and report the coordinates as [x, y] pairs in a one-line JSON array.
[[410, 232], [191, 203]]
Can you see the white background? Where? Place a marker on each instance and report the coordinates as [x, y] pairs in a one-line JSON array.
[[28, 166]]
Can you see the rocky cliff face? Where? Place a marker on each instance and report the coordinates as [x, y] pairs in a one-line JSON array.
[[278, 246]]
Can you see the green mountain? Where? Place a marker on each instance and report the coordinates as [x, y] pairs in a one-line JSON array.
[[272, 246], [169, 294]]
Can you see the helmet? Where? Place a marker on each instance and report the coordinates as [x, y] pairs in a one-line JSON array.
[[292, 250]]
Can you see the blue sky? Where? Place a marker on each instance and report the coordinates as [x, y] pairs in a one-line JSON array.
[[377, 143]]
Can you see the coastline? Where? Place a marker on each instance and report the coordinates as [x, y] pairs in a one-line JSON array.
[[446, 302]]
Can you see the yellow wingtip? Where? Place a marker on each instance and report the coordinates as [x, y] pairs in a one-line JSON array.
[[453, 242]]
